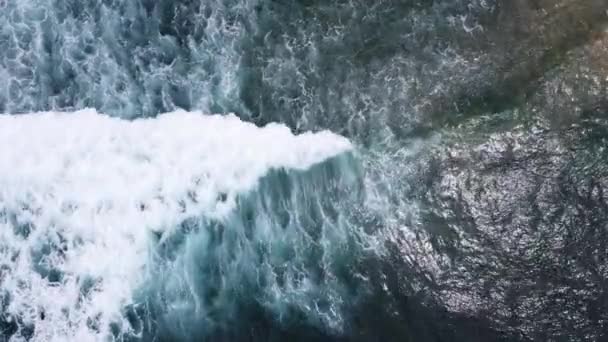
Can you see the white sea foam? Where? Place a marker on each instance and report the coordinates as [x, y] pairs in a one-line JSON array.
[[81, 192]]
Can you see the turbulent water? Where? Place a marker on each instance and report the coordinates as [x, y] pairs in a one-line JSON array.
[[168, 170]]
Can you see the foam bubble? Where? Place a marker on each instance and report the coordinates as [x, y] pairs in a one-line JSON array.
[[81, 193]]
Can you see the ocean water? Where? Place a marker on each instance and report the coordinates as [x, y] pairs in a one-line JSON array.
[[346, 170]]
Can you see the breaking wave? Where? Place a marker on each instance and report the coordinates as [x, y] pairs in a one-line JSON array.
[[184, 220]]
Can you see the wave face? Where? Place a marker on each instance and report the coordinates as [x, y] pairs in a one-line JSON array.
[[466, 201]]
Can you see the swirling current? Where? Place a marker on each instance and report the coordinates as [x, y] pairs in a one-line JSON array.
[[297, 170]]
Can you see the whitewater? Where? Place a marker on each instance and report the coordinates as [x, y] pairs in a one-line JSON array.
[[88, 201]]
